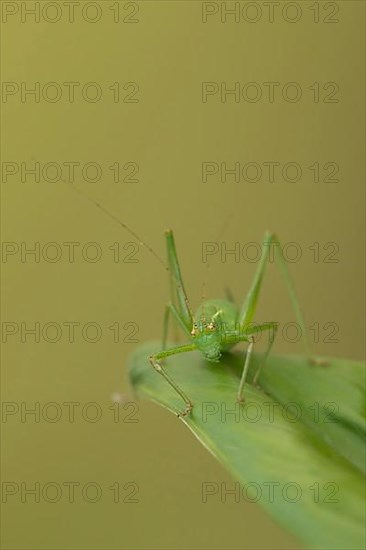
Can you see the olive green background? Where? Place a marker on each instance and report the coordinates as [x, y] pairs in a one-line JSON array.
[[169, 132]]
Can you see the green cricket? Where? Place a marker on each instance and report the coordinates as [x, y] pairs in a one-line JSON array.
[[218, 324]]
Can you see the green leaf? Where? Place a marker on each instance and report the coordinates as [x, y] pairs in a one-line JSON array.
[[329, 398], [291, 467]]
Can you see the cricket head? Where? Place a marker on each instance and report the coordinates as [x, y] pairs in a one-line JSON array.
[[206, 334]]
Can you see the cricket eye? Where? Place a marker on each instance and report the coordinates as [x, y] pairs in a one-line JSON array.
[[194, 330], [211, 326]]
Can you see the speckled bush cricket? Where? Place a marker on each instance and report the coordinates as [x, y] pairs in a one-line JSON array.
[[218, 324]]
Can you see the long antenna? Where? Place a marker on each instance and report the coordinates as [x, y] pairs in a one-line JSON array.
[[123, 225]]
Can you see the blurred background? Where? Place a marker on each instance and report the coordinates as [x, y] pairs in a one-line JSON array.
[[131, 105]]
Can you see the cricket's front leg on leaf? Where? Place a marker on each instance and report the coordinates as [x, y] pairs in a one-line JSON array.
[[272, 328], [156, 360], [240, 398], [248, 335]]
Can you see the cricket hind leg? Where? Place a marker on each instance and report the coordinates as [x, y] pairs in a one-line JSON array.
[[178, 306], [167, 313], [248, 309], [156, 361], [312, 360], [179, 297], [171, 311]]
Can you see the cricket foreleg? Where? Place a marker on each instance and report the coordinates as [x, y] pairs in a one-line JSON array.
[[248, 335], [156, 360]]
